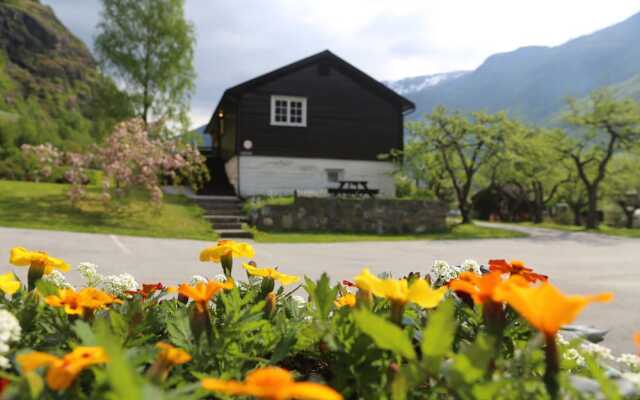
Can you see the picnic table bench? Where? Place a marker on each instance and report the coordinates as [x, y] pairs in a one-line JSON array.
[[354, 189]]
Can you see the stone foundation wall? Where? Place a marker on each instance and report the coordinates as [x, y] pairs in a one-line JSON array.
[[346, 215]]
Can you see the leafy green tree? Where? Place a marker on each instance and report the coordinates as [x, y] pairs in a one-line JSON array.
[[622, 186], [530, 162], [574, 195], [461, 145], [605, 128], [149, 45]]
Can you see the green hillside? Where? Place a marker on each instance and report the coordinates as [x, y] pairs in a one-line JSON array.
[[50, 88]]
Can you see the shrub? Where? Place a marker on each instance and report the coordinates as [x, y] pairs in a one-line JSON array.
[[476, 332], [129, 159]]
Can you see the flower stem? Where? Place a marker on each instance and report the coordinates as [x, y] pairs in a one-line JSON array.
[[35, 273], [397, 311], [552, 368], [227, 265]]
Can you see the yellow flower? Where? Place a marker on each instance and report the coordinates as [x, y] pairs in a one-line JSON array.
[[82, 302], [348, 300], [61, 372], [26, 258], [544, 306], [366, 280], [272, 383], [8, 283], [202, 292], [271, 273], [227, 248], [172, 355], [399, 291]]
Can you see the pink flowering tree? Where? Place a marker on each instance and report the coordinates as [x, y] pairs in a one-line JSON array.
[[43, 158], [129, 159]]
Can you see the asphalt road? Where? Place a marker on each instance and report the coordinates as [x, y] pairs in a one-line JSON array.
[[578, 263]]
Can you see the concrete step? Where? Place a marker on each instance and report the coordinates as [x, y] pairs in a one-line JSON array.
[[221, 206], [214, 198], [234, 233], [227, 225], [223, 211], [226, 218]]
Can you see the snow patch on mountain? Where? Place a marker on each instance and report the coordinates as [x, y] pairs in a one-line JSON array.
[[417, 83]]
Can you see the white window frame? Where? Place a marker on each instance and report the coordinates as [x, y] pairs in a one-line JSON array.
[[288, 100], [338, 171]]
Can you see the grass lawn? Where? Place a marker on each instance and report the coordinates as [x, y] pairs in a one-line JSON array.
[[45, 206], [603, 229], [457, 231]]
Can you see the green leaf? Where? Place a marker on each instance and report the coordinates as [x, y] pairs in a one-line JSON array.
[[471, 364], [283, 348], [323, 295], [439, 334], [46, 288], [385, 334], [179, 330], [399, 387], [84, 332], [124, 380]]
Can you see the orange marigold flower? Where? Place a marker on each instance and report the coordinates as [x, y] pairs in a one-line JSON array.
[[79, 303], [272, 383], [516, 267], [479, 287], [348, 300], [202, 292], [61, 372], [172, 355], [544, 306], [147, 289], [636, 338]]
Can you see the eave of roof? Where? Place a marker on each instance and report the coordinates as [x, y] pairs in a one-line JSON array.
[[406, 105]]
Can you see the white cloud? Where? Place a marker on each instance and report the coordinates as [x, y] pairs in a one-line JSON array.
[[238, 40]]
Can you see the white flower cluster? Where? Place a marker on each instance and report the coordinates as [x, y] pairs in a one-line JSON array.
[[115, 285], [441, 272], [221, 278], [471, 266], [90, 274], [573, 354], [299, 301], [10, 331], [597, 350], [632, 377], [630, 360], [201, 279], [56, 278]]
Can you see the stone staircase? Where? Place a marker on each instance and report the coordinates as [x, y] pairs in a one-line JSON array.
[[225, 215]]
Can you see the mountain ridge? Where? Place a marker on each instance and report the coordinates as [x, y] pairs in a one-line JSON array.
[[532, 82]]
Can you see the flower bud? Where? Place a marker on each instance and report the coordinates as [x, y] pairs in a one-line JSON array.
[[270, 306]]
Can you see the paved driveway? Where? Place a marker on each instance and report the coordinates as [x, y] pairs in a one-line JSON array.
[[576, 262]]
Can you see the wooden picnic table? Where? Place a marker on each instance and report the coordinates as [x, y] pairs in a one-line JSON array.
[[353, 188]]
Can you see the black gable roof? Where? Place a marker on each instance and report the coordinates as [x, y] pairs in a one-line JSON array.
[[326, 56]]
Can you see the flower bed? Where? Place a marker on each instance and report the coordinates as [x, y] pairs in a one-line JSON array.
[[466, 332]]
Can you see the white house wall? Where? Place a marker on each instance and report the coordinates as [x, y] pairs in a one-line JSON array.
[[259, 175]]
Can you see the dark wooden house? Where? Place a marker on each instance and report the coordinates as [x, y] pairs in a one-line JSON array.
[[304, 127]]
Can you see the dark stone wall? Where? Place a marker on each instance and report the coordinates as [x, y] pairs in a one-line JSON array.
[[380, 216]]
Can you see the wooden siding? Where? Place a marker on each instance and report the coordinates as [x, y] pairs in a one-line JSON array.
[[345, 119], [258, 175]]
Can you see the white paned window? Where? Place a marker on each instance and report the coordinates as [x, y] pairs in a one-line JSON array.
[[288, 111]]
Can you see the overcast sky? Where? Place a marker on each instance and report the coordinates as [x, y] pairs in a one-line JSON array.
[[389, 39]]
